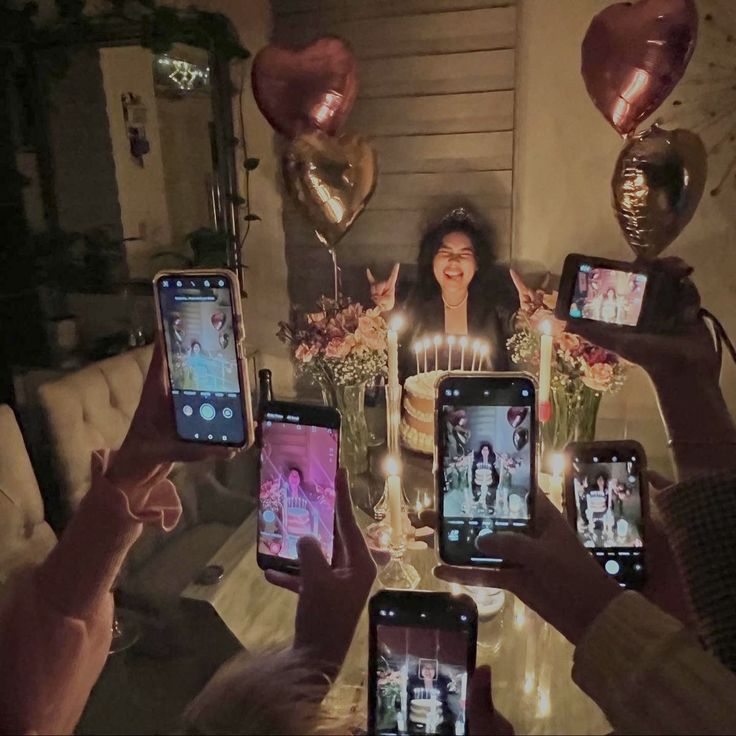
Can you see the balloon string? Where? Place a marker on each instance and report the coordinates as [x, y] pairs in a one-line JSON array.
[[337, 271], [720, 334]]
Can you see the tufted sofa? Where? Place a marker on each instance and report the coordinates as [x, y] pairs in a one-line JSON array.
[[25, 538], [92, 409]]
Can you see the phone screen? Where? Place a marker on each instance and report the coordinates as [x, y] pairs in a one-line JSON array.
[[486, 461], [607, 295], [609, 509], [197, 315], [299, 458], [421, 658]]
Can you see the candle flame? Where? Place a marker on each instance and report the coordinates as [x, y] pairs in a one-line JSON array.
[[545, 327], [397, 323], [485, 349], [451, 339], [392, 465], [557, 462], [464, 341], [417, 347], [437, 340], [427, 342], [476, 344], [455, 589]]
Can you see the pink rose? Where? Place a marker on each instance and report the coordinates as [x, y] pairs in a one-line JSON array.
[[339, 347], [598, 376], [305, 353], [370, 333], [569, 343]]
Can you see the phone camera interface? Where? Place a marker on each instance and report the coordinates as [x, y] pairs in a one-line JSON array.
[[297, 487], [608, 511], [486, 474], [608, 295], [421, 681], [197, 315]]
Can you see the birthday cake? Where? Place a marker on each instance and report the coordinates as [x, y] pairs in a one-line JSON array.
[[417, 421], [299, 523], [425, 712]]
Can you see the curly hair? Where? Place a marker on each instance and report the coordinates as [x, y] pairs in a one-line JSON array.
[[480, 234]]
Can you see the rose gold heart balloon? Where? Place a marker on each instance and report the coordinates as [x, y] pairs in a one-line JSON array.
[[313, 88], [331, 179], [218, 320], [633, 56], [657, 184], [516, 415]]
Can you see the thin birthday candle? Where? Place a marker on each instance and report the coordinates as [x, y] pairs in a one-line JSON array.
[[417, 349], [485, 353], [476, 348], [450, 343], [437, 340], [427, 343], [463, 345]]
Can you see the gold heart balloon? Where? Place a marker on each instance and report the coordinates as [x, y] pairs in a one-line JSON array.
[[657, 184], [331, 179]]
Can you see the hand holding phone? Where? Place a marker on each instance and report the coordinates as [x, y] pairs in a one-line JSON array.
[[553, 573], [331, 598], [200, 317], [486, 443], [422, 652]]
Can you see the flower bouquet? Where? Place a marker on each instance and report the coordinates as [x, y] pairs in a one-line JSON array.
[[341, 347], [581, 374]]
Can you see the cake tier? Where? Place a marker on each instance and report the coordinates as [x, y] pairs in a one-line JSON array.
[[417, 424]]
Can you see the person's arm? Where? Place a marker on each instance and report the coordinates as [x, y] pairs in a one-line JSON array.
[[57, 624], [685, 370], [650, 676], [699, 517], [56, 630]]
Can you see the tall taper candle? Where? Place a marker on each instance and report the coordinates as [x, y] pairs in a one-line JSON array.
[[463, 345], [392, 339], [545, 371], [450, 343]]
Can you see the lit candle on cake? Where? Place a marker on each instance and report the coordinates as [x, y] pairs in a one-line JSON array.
[[437, 340], [393, 492], [426, 344], [476, 350], [450, 343], [417, 350], [463, 345], [485, 353]]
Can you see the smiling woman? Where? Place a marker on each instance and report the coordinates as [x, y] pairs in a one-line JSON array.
[[460, 290]]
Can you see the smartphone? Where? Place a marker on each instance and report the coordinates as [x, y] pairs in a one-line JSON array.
[[602, 290], [422, 649], [200, 316], [606, 501], [485, 460], [300, 448]]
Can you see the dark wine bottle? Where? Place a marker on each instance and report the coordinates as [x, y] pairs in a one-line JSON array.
[[265, 394]]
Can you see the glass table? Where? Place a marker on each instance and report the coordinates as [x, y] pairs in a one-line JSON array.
[[531, 662]]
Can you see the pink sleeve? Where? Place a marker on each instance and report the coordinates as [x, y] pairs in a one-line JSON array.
[[56, 628]]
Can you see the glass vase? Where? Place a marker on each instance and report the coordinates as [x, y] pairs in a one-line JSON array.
[[574, 416], [349, 400]]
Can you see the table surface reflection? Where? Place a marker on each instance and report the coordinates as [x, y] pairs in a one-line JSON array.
[[531, 662]]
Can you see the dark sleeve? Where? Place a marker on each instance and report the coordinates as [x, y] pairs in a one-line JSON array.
[[700, 517]]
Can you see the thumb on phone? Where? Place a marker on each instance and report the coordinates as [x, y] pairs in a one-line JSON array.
[[483, 718]]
